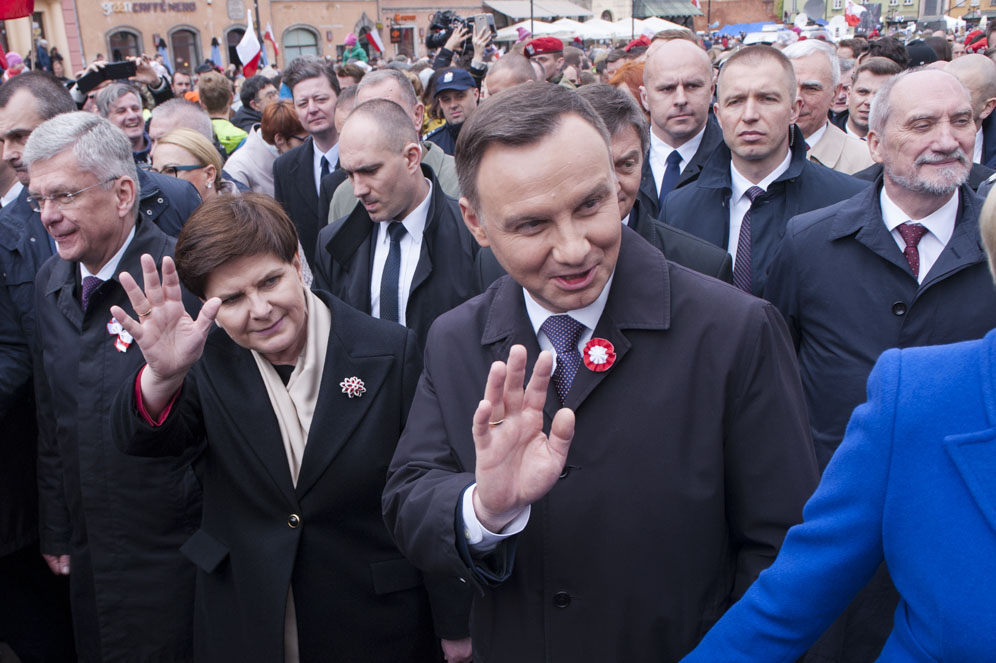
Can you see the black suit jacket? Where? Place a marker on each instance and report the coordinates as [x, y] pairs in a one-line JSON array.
[[327, 189], [702, 208], [690, 460], [356, 597], [989, 141], [976, 176], [649, 196], [294, 188], [444, 276]]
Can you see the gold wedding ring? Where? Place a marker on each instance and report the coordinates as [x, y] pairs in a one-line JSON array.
[[495, 423], [146, 314]]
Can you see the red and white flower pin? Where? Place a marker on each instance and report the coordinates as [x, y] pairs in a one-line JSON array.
[[123, 339], [353, 387], [598, 355]]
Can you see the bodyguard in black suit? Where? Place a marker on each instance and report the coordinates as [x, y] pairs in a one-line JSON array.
[[677, 90], [383, 158], [297, 174], [769, 155], [612, 515]]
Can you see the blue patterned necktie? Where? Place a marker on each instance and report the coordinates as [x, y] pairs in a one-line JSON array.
[[741, 270], [90, 283], [564, 333], [389, 282], [671, 175]]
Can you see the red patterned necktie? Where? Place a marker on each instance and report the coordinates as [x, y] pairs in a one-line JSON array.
[[912, 233]]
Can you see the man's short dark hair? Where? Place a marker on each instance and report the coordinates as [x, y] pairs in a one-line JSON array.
[[892, 48], [615, 55], [676, 33], [877, 66], [520, 116], [251, 87], [353, 71], [310, 66], [858, 45], [617, 109], [51, 97]]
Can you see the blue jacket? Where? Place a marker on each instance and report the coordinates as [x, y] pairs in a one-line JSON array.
[[912, 484], [703, 207]]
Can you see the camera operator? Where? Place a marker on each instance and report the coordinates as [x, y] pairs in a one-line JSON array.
[[456, 42]]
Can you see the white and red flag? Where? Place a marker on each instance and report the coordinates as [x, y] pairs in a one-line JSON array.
[[249, 49]]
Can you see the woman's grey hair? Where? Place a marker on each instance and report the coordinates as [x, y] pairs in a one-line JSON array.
[[99, 146], [112, 93], [801, 49]]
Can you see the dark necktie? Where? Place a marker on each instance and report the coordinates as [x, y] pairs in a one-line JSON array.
[[741, 270], [671, 175], [325, 167], [912, 233], [564, 333], [90, 283], [389, 309]]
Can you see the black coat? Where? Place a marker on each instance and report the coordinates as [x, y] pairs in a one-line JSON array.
[[848, 295], [444, 276], [166, 201], [294, 188], [977, 176], [246, 118], [356, 597], [989, 141], [691, 458], [649, 197], [121, 519], [702, 208]]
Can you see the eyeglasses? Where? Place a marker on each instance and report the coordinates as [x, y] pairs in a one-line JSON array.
[[62, 200], [173, 170], [300, 138]]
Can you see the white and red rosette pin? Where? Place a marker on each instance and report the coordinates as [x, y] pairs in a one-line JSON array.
[[123, 339], [353, 387], [598, 355]]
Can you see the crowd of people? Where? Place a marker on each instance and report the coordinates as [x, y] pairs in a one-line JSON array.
[[544, 354]]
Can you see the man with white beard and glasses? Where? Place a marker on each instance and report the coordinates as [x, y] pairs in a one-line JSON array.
[[898, 265]]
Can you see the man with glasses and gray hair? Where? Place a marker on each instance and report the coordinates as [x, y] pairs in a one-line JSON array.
[[112, 523]]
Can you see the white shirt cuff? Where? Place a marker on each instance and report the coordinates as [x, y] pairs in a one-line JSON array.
[[479, 538]]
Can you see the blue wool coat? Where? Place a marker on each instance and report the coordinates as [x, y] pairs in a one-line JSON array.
[[913, 484]]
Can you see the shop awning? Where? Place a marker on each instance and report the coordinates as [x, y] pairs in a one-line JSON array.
[[645, 8], [519, 9]]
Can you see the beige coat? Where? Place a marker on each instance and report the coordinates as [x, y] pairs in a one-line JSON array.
[[841, 152]]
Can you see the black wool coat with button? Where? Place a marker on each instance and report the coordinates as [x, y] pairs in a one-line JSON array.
[[848, 294], [356, 597], [691, 458]]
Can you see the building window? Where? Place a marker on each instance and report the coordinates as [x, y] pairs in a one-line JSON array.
[[232, 39], [607, 16], [838, 5], [123, 43], [907, 2], [299, 41], [893, 3], [186, 49]]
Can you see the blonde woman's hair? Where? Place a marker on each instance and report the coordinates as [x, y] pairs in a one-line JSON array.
[[199, 147], [987, 228]]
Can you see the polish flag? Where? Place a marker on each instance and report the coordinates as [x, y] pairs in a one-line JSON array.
[[373, 38], [16, 8], [249, 49], [853, 12], [697, 5], [268, 36]]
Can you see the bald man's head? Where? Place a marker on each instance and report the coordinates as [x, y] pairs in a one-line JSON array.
[[677, 90], [508, 71], [978, 74]]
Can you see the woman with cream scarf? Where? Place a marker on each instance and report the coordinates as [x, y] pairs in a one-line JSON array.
[[297, 401]]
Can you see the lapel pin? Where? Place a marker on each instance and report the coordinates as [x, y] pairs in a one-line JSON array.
[[598, 355], [353, 387], [123, 339]]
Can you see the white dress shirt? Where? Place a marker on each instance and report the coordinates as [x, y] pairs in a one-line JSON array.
[[814, 140], [479, 539], [940, 226], [411, 249], [740, 203], [12, 194], [848, 131], [977, 151], [332, 155], [659, 152], [111, 266]]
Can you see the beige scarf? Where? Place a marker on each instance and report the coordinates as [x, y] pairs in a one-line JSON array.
[[294, 405]]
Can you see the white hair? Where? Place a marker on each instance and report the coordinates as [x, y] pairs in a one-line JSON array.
[[801, 49]]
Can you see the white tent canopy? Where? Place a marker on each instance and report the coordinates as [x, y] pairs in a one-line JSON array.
[[565, 28], [598, 28], [653, 25], [511, 32]]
